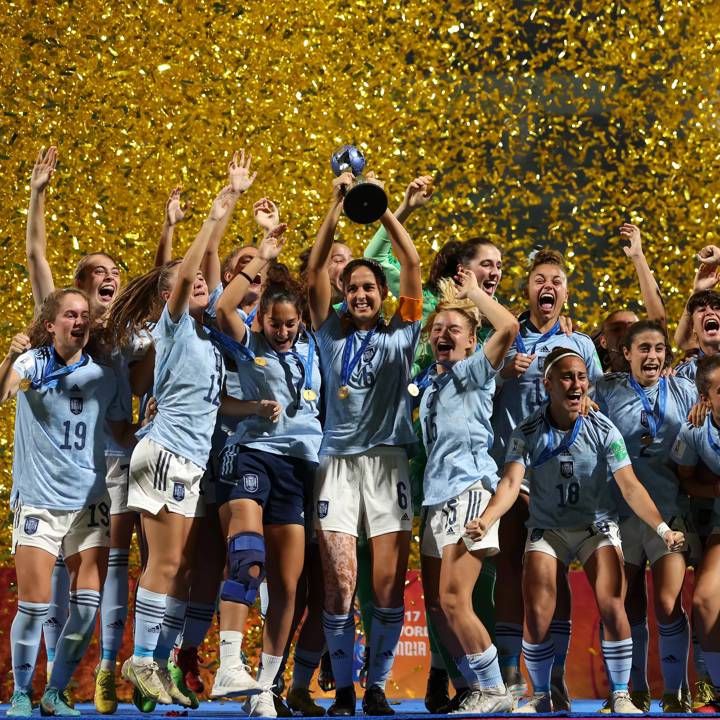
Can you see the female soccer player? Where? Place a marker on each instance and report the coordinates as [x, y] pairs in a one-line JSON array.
[[649, 411], [363, 474], [695, 446], [459, 478], [521, 392], [267, 471], [169, 461], [572, 514], [59, 497]]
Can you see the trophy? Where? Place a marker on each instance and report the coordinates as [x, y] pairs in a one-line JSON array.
[[365, 201]]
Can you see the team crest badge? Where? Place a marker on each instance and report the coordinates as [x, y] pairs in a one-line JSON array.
[[322, 508], [536, 534], [250, 482], [76, 405], [566, 468], [178, 492], [31, 525]]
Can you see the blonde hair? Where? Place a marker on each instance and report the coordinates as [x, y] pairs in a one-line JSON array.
[[450, 301]]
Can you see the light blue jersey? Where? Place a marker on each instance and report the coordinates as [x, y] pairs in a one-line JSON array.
[[571, 488], [298, 432], [189, 377], [650, 458], [59, 460], [377, 409], [700, 444], [687, 369], [519, 397], [455, 418], [211, 309]]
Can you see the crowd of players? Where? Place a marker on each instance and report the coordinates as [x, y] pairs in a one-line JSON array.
[[289, 431]]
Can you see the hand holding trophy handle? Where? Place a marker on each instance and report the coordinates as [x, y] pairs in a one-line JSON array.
[[365, 201]]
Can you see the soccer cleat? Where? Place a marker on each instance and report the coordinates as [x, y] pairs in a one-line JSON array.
[[489, 701], [622, 704], [20, 705], [538, 703], [106, 701], [711, 708], [260, 705], [299, 700], [142, 703], [186, 660], [176, 695], [641, 699], [178, 678], [144, 676], [436, 692], [703, 693], [326, 679], [374, 702], [52, 704], [676, 703], [560, 695], [281, 709], [232, 681], [344, 705], [455, 702]]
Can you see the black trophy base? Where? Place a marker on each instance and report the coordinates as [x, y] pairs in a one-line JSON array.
[[365, 202]]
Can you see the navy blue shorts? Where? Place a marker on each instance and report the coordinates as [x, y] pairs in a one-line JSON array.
[[281, 485]]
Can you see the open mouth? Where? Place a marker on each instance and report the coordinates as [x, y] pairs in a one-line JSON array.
[[651, 368], [257, 280], [284, 343], [574, 397], [489, 286], [711, 325], [546, 302], [78, 333], [106, 293], [361, 306], [444, 346]]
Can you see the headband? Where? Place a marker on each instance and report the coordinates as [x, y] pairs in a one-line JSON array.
[[569, 353]]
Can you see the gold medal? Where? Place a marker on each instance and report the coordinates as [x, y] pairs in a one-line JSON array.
[[413, 389], [25, 384], [343, 392], [646, 439], [260, 361], [309, 394]]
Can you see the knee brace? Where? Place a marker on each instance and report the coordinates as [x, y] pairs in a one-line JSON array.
[[245, 551]]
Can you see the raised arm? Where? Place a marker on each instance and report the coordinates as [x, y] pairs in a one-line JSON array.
[[41, 279], [9, 378], [505, 323], [318, 279], [417, 193], [239, 181], [407, 255], [190, 265], [226, 311], [174, 213], [649, 290]]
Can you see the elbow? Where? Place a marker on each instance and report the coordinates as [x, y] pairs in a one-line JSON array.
[[511, 328]]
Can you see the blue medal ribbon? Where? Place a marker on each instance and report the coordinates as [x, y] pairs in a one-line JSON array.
[[306, 367], [520, 343], [349, 364], [251, 316], [565, 444], [655, 421], [424, 378], [54, 370], [231, 346]]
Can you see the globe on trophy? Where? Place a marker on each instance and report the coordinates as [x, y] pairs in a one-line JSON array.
[[365, 201]]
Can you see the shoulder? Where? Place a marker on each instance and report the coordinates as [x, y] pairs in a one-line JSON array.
[[532, 424]]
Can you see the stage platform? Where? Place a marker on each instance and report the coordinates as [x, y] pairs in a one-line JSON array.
[[405, 710]]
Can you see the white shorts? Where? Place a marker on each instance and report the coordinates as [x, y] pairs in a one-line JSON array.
[[62, 532], [160, 478], [373, 487], [445, 523], [117, 478], [566, 544], [641, 542]]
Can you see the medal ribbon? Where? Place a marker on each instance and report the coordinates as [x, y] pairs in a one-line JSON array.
[[251, 316], [655, 420], [423, 379], [349, 364], [306, 364], [520, 343], [54, 371], [231, 346], [565, 443]]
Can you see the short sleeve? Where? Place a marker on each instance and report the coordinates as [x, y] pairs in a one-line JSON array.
[[616, 453], [25, 366], [476, 371], [166, 328], [683, 451], [211, 309], [518, 450]]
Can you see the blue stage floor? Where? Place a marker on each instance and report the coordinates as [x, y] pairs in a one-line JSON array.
[[406, 709]]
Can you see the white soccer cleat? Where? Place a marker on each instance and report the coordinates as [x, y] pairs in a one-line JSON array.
[[538, 703], [172, 689], [261, 705], [234, 681], [621, 704]]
